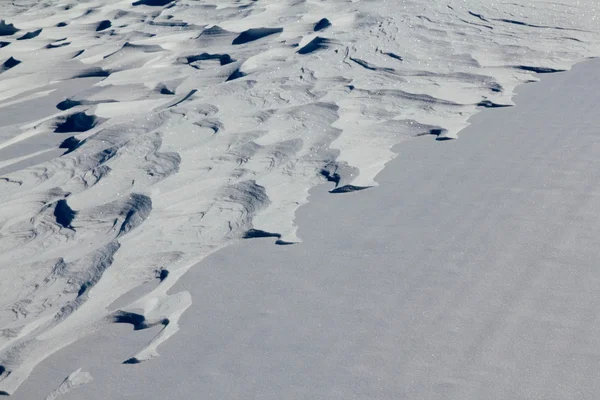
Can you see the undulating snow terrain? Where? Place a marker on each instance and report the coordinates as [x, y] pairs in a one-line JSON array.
[[470, 273], [137, 138]]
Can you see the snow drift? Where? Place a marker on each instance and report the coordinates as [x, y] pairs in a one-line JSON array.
[[187, 124]]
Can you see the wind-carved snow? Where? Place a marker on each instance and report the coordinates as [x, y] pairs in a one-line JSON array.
[[77, 378], [195, 123]]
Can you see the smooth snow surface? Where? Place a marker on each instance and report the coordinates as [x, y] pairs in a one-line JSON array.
[[137, 138]]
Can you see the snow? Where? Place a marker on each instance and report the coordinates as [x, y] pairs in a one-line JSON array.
[[77, 378], [470, 272], [191, 125]]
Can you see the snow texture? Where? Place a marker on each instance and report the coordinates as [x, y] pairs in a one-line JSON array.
[[138, 138]]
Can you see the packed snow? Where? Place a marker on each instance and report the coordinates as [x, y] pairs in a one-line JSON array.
[[138, 138]]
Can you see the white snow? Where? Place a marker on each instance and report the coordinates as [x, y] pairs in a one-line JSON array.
[[192, 124], [77, 378]]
